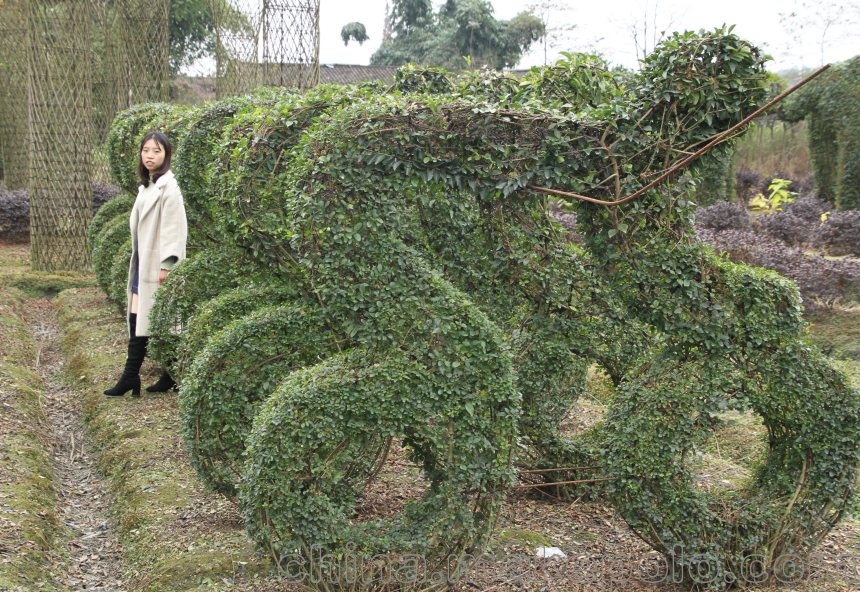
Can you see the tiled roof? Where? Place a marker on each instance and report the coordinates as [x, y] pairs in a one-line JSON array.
[[348, 74]]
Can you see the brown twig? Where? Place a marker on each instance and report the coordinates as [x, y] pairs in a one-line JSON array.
[[564, 483], [554, 470], [684, 163]]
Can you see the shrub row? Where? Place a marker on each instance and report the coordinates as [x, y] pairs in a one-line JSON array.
[[15, 209], [806, 222], [820, 280]]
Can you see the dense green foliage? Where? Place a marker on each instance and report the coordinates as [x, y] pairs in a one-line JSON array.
[[717, 178], [190, 285], [108, 244], [121, 204], [219, 312], [240, 366], [831, 106], [430, 296], [118, 278], [460, 29]]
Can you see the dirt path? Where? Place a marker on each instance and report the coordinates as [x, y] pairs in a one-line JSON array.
[[94, 551]]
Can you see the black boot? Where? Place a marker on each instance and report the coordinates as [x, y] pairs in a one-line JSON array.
[[164, 384], [130, 379]]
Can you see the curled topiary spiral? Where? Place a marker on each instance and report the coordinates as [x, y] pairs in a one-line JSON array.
[[118, 281], [190, 285], [238, 369], [120, 205], [221, 311]]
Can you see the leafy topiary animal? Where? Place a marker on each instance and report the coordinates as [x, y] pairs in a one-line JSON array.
[[413, 230]]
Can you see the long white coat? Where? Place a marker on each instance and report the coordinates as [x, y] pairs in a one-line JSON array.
[[158, 231]]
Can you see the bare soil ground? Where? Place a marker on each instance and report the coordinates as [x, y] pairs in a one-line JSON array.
[[93, 559], [134, 517]]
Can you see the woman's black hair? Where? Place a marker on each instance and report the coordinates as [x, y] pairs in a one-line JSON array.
[[143, 172]]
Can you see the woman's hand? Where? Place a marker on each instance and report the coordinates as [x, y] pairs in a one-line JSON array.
[[162, 275]]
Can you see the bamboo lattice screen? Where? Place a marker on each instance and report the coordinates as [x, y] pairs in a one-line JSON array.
[[60, 100], [143, 69], [13, 94], [66, 68], [265, 43], [105, 88]]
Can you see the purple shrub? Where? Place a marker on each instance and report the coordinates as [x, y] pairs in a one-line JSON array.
[[15, 209], [14, 214], [818, 279], [723, 215], [808, 208], [840, 234], [747, 183], [786, 227]]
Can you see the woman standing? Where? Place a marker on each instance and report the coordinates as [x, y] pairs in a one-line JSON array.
[[158, 233]]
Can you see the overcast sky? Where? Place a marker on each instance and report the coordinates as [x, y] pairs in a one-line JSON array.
[[605, 26]]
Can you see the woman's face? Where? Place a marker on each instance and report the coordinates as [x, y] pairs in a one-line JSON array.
[[152, 155]]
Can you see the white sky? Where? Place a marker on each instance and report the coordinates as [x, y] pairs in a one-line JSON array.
[[757, 21]]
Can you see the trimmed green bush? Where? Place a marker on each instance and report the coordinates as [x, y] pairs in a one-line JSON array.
[[191, 284], [108, 246], [121, 204], [221, 311], [123, 142], [118, 287], [410, 224], [829, 104], [239, 368], [717, 178]]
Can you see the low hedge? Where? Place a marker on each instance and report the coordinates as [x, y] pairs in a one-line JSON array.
[[15, 209]]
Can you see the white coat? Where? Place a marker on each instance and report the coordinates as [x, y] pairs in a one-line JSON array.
[[158, 232]]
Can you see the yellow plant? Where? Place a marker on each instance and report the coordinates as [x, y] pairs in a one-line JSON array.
[[778, 197]]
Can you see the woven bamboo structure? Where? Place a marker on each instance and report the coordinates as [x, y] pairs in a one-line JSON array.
[[13, 94], [265, 43], [143, 74], [105, 87], [76, 63], [60, 102]]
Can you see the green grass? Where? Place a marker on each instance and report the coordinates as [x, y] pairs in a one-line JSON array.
[[28, 518], [15, 272], [836, 332]]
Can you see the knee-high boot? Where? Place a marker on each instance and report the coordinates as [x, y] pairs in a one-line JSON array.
[[130, 379], [164, 384]]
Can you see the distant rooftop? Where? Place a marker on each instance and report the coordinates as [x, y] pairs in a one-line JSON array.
[[349, 74]]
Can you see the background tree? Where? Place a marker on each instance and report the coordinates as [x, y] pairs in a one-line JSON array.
[[556, 28], [355, 31], [192, 33], [822, 23], [648, 27], [407, 15], [460, 28]]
